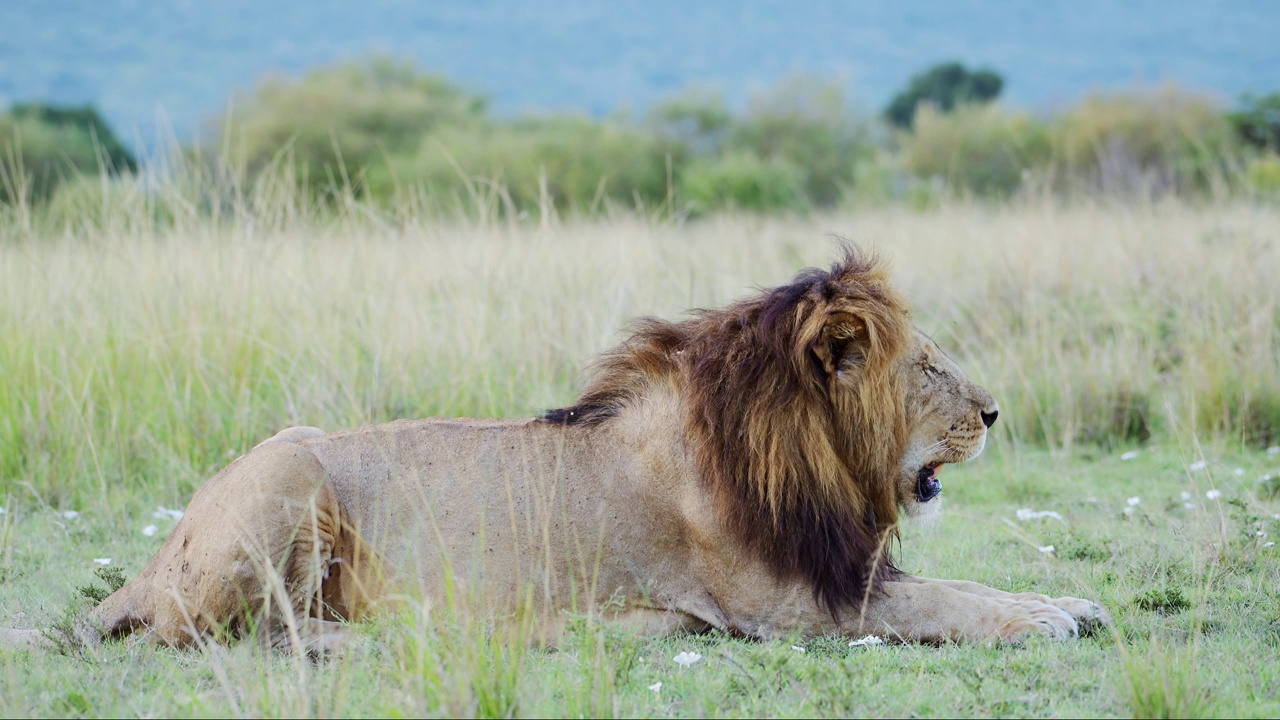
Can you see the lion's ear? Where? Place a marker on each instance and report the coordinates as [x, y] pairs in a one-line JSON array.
[[844, 340]]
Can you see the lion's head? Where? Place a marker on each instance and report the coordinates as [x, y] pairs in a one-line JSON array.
[[948, 416], [814, 412]]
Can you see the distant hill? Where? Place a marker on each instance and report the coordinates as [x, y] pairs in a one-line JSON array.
[[134, 59]]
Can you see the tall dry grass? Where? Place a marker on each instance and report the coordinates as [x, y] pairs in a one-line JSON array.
[[149, 331], [140, 354]]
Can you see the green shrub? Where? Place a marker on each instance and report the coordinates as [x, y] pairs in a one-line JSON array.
[[84, 202], [692, 123], [1084, 550], [944, 86], [338, 124], [112, 577], [796, 144], [1114, 417], [805, 124], [1138, 142], [43, 146], [980, 149], [1156, 141], [1257, 122], [1166, 601], [581, 163], [1262, 175], [741, 181], [380, 128]]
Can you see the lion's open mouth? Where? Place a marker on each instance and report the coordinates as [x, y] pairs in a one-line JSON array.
[[928, 486]]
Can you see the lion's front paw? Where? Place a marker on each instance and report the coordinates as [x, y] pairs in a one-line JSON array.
[[1033, 618], [1088, 615]]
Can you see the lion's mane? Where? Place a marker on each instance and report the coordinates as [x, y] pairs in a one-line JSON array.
[[802, 464]]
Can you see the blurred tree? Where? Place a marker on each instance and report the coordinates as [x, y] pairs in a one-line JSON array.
[[85, 120], [1257, 122], [1143, 141], [42, 146], [805, 124], [944, 86], [979, 149], [693, 121], [741, 181], [341, 123], [575, 162]]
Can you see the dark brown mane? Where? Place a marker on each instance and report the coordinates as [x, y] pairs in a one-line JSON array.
[[795, 416]]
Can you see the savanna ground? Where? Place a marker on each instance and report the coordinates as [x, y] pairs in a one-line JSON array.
[[1134, 348]]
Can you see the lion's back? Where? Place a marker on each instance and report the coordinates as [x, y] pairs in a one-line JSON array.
[[426, 495]]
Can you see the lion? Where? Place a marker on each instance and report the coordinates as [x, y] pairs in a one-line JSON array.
[[742, 469]]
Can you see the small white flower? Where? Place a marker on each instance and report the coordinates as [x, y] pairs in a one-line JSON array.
[[150, 530], [1269, 544], [868, 641], [1260, 534], [656, 687], [1134, 501], [70, 514], [1130, 455], [1276, 516], [163, 513], [1197, 465], [102, 561], [1265, 478], [1186, 495], [1046, 549], [3, 511], [1029, 514], [1238, 472], [1213, 494], [1189, 506], [1128, 510], [1273, 450], [687, 658], [797, 648]]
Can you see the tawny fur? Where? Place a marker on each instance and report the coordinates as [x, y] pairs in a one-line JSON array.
[[742, 469]]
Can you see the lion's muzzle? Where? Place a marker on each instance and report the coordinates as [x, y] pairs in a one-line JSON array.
[[928, 486]]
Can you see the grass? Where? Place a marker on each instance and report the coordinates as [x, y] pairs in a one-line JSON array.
[[138, 358], [1215, 656]]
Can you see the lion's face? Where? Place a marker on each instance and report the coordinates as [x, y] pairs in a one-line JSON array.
[[947, 420]]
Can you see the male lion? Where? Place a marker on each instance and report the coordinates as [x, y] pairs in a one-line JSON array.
[[742, 469]]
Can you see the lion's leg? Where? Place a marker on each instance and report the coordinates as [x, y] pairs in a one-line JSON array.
[[654, 622], [312, 636], [1089, 615], [253, 546], [924, 611], [642, 621]]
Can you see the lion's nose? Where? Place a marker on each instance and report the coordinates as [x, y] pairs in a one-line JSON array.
[[989, 417]]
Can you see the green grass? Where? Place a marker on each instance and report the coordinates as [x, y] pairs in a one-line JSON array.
[[1214, 656], [136, 359]]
